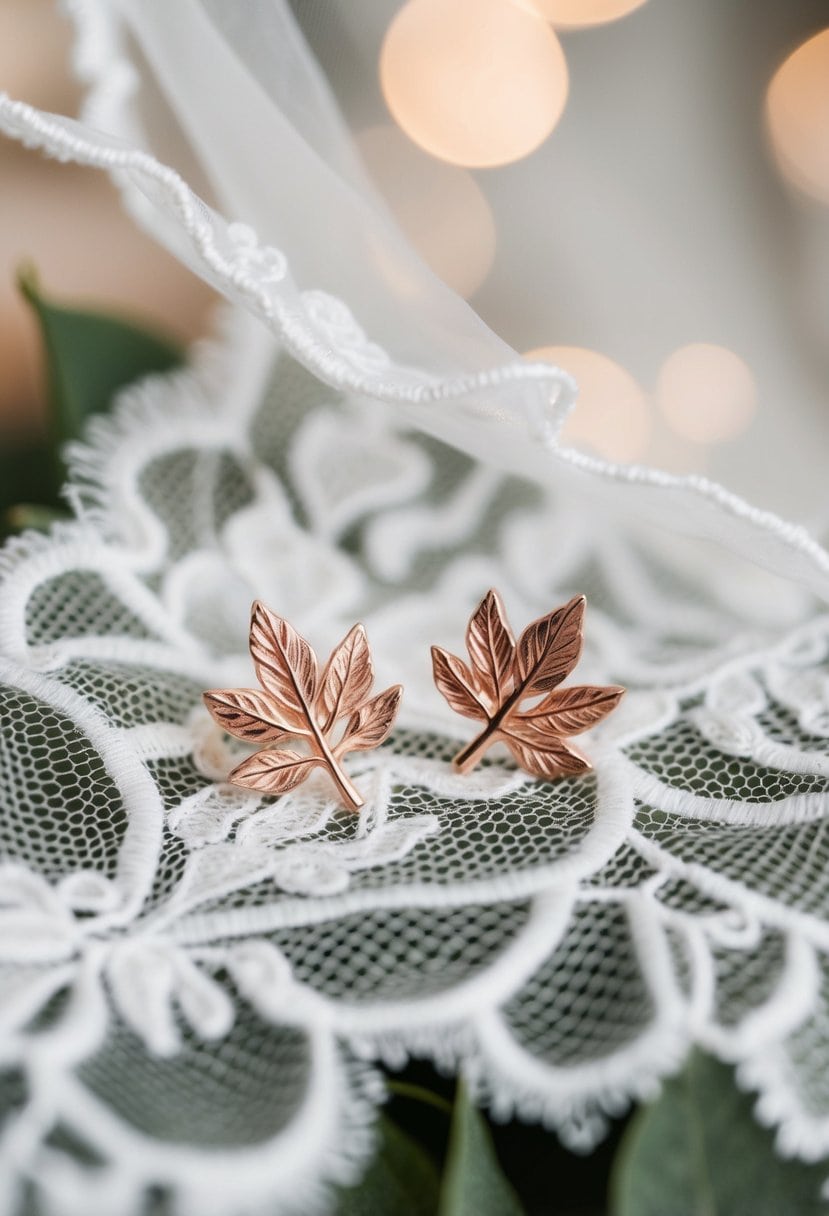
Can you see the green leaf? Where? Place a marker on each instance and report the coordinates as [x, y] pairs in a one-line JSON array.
[[473, 1184], [698, 1151], [90, 356], [418, 1093], [401, 1181]]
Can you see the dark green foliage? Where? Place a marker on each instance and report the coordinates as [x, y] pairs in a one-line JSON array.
[[698, 1151], [89, 356]]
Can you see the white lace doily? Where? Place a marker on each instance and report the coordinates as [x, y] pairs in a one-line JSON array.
[[196, 979], [190, 967]]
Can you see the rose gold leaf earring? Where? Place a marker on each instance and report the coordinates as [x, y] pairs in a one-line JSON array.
[[504, 674], [297, 703]]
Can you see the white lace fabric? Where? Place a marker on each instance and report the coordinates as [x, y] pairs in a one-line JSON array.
[[198, 981]]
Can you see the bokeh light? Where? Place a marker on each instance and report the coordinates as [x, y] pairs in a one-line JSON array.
[[576, 14], [440, 208], [474, 82], [707, 393], [797, 110], [611, 416]]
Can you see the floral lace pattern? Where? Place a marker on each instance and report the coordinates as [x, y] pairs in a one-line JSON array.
[[242, 960]]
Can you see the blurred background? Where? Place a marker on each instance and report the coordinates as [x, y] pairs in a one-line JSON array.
[[636, 189], [68, 222]]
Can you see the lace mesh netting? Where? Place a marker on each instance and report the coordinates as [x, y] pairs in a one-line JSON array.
[[191, 967], [198, 981]]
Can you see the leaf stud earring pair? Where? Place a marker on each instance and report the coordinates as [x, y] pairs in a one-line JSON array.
[[331, 713]]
